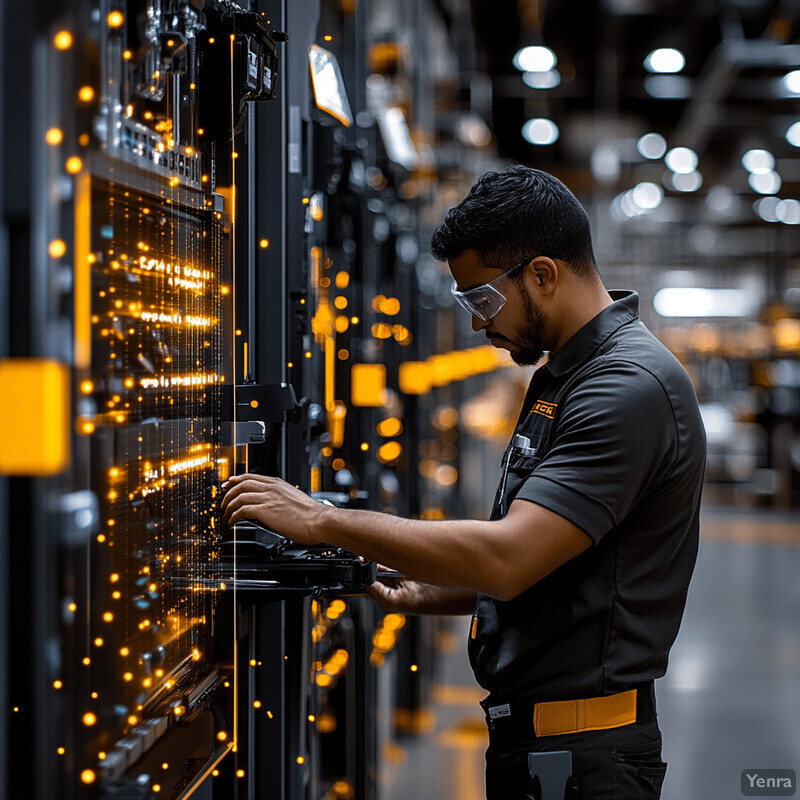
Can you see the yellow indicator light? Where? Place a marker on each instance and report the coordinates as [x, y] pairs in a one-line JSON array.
[[256, 704], [89, 719], [215, 773], [389, 452], [72, 607], [290, 365], [98, 642], [264, 243], [115, 19], [108, 616], [234, 154], [165, 765], [311, 718], [414, 667], [179, 711], [86, 661], [61, 751], [342, 280], [222, 736], [116, 595], [57, 248], [301, 760], [364, 446], [114, 577], [57, 684], [156, 787], [127, 55], [87, 776], [306, 201], [86, 94], [240, 773], [74, 165], [211, 40], [128, 676], [308, 354], [101, 537], [101, 756], [87, 387], [390, 427], [63, 40], [253, 662], [54, 136], [254, 404], [354, 320], [124, 652], [132, 719], [328, 38], [270, 714]]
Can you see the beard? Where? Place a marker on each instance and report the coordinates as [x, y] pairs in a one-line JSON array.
[[530, 335]]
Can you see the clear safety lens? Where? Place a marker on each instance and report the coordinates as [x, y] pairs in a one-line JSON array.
[[483, 302]]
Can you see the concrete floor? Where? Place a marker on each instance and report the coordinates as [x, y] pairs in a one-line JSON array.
[[729, 702]]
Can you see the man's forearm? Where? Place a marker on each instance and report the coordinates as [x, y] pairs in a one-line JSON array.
[[451, 554], [437, 600]]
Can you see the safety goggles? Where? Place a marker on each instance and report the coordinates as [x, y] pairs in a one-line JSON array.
[[484, 302]]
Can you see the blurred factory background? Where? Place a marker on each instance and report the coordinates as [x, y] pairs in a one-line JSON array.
[[257, 183]]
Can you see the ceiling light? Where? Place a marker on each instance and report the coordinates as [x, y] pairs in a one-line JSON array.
[[665, 59], [788, 212], [684, 181], [759, 162], [791, 82], [765, 182], [647, 195], [540, 131], [535, 59], [668, 87], [542, 80], [681, 160], [793, 134], [694, 302], [766, 208], [652, 145]]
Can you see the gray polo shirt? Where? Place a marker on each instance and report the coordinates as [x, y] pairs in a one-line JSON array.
[[610, 437]]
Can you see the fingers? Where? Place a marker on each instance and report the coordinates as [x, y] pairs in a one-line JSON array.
[[245, 484]]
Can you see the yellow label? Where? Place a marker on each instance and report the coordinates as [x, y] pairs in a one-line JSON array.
[[474, 631], [545, 409]]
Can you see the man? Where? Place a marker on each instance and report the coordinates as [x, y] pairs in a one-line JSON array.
[[578, 581]]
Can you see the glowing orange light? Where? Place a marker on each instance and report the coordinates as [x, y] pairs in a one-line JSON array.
[[211, 40], [414, 667], [240, 773], [101, 537], [86, 661], [328, 38], [57, 684], [132, 719], [128, 676], [222, 736], [98, 642], [61, 751], [54, 136], [101, 756], [165, 765], [116, 595], [127, 55], [264, 243], [301, 760], [87, 776], [156, 787], [114, 577], [115, 19], [256, 704], [311, 718], [86, 94], [63, 40], [89, 719], [108, 616], [364, 446], [74, 165], [354, 320], [215, 773], [57, 248], [72, 607], [179, 711]]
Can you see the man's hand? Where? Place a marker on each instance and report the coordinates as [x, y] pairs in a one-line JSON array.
[[274, 503], [404, 596]]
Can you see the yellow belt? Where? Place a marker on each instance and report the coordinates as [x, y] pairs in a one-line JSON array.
[[591, 714]]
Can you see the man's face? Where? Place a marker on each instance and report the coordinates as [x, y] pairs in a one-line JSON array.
[[519, 326]]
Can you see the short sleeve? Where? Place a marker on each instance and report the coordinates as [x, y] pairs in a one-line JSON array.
[[615, 435]]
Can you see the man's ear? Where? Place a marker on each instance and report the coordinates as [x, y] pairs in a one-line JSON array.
[[545, 273]]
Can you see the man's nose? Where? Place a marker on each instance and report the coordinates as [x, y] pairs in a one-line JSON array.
[[479, 324]]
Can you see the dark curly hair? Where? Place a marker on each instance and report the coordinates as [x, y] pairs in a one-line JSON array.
[[516, 213]]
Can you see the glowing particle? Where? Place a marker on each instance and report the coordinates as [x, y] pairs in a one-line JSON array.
[[87, 387], [89, 719], [222, 736], [57, 684], [364, 446], [179, 711], [240, 773], [354, 320], [270, 714], [63, 40], [101, 537], [101, 756], [86, 94], [301, 760], [116, 595], [253, 662], [311, 718], [87, 776], [57, 248], [72, 607], [414, 667], [128, 676], [132, 719], [61, 751], [256, 704], [165, 765], [74, 165], [328, 38], [114, 577], [127, 55], [108, 616], [264, 243], [156, 787], [54, 136], [215, 773], [211, 40], [94, 695], [115, 19], [98, 642], [86, 661]]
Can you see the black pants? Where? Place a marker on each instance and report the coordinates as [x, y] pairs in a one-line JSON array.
[[617, 764]]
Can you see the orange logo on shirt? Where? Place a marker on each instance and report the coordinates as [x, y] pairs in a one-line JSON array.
[[545, 409]]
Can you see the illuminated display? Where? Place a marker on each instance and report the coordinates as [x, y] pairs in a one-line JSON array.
[[151, 405]]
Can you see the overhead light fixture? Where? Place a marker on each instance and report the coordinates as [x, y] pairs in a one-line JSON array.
[[542, 80], [540, 131], [687, 181], [765, 182], [767, 208], [682, 160], [535, 59], [652, 145], [680, 301], [758, 162], [791, 82], [665, 60], [788, 211], [793, 134], [668, 87], [647, 195]]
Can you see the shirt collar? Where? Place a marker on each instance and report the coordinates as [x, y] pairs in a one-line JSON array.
[[582, 344]]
